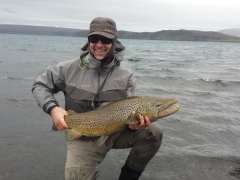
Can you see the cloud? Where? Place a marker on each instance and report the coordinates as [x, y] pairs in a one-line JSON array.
[[131, 15]]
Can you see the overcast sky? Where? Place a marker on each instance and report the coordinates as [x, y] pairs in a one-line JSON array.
[[130, 15]]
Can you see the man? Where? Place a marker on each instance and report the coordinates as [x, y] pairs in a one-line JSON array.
[[86, 82]]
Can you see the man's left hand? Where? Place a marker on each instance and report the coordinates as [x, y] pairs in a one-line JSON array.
[[144, 122]]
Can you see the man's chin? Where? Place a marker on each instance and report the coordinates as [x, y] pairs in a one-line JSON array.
[[99, 57]]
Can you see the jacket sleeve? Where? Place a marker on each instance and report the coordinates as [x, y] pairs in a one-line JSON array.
[[48, 84], [131, 86]]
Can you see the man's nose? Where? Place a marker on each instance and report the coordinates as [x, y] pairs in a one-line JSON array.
[[99, 43]]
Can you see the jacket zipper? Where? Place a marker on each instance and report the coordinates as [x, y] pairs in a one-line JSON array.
[[100, 87], [93, 101]]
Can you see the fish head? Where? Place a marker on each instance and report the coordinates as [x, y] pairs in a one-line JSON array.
[[156, 108]]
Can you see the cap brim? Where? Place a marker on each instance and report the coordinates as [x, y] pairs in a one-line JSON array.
[[107, 35]]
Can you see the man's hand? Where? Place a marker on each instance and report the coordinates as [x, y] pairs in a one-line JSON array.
[[144, 122], [57, 114]]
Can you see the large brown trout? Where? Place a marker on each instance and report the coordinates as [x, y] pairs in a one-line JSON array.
[[114, 116]]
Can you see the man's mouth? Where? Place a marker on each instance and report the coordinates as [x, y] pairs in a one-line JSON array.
[[100, 50]]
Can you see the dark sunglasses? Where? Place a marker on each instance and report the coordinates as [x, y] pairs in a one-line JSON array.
[[96, 38]]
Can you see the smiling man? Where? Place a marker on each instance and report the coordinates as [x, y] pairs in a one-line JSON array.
[[86, 82], [99, 46]]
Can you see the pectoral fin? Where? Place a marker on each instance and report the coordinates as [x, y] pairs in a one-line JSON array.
[[72, 134], [133, 119]]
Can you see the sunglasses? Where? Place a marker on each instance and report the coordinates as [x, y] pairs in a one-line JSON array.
[[96, 38]]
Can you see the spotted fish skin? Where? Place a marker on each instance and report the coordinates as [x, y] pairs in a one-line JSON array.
[[115, 116]]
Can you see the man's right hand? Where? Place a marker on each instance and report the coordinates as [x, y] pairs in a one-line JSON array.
[[57, 115]]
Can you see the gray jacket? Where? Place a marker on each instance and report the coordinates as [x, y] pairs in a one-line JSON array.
[[85, 82]]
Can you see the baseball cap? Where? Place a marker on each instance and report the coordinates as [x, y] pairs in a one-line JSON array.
[[103, 26]]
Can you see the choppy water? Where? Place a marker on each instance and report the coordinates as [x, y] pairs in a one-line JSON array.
[[201, 141]]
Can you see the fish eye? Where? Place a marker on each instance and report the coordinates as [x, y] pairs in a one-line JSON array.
[[158, 104]]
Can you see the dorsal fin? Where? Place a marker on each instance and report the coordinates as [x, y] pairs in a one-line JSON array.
[[71, 112]]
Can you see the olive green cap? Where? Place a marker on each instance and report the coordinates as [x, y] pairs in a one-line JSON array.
[[103, 26]]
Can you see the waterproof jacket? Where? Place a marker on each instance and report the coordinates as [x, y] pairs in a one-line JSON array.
[[85, 82]]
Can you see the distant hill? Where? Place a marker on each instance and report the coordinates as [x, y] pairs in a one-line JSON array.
[[168, 35], [173, 35], [233, 32], [36, 30], [182, 35]]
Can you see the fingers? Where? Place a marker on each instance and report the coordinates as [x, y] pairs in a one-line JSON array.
[[136, 126], [58, 118], [144, 122], [60, 124], [147, 121], [59, 127], [65, 126], [131, 126]]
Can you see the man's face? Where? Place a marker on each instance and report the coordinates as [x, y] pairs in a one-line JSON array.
[[99, 46]]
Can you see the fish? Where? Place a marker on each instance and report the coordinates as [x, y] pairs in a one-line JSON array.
[[115, 116]]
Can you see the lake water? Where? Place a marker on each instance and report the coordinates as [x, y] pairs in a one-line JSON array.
[[201, 141]]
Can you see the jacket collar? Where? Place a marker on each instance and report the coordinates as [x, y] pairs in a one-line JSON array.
[[96, 64]]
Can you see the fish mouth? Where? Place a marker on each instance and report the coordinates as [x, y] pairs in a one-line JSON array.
[[170, 108]]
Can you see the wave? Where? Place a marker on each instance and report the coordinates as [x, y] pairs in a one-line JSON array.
[[220, 82], [20, 103], [16, 78], [165, 70], [198, 93], [211, 80], [135, 59], [153, 78], [184, 61], [12, 78], [12, 100], [30, 78], [147, 50]]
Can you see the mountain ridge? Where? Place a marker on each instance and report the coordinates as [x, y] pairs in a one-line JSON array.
[[36, 30], [168, 35]]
